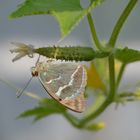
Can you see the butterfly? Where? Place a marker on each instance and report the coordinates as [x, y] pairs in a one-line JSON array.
[[64, 81]]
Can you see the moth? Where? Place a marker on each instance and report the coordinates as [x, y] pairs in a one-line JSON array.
[[64, 81]]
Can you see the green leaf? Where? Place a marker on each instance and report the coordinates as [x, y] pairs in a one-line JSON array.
[[45, 108], [67, 12], [127, 55]]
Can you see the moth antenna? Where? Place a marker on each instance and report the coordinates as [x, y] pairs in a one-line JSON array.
[[37, 60], [19, 93]]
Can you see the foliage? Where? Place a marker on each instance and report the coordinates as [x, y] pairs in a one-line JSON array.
[[67, 12], [45, 108], [127, 55], [103, 78]]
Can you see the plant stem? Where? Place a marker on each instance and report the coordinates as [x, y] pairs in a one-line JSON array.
[[111, 77], [121, 22], [93, 115], [120, 75], [71, 119], [93, 32], [110, 97], [111, 43]]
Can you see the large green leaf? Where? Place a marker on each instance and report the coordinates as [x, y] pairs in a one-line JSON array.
[[45, 108], [127, 55], [67, 12]]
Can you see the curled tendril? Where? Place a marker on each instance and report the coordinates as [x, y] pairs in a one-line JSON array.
[[22, 50]]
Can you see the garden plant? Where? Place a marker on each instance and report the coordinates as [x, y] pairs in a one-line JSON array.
[[108, 61]]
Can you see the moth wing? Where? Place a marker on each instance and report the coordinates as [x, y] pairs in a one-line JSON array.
[[66, 83], [77, 104]]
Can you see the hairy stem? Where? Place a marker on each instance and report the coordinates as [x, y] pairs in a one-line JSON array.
[[93, 32], [121, 22]]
